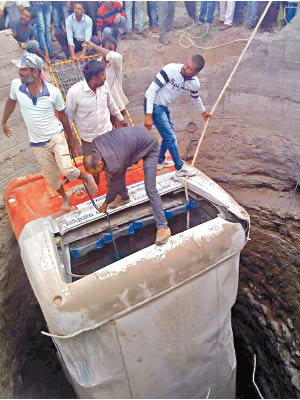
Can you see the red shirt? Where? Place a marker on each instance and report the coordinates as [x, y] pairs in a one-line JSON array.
[[105, 18]]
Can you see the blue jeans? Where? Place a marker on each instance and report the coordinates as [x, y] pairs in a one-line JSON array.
[[42, 16], [139, 9], [289, 11], [252, 13], [13, 15], [208, 10], [59, 14], [152, 13], [238, 16], [164, 124]]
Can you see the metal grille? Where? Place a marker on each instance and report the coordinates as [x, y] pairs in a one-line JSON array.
[[66, 73]]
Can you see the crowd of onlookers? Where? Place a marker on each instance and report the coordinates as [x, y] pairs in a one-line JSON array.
[[35, 24]]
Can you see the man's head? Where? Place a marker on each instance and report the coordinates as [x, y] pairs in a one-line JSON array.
[[30, 66], [93, 163], [78, 9], [109, 43], [109, 4], [192, 66], [26, 16], [94, 73]]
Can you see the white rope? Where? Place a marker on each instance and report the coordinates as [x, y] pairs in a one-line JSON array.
[[229, 80], [219, 99], [184, 34], [253, 376]]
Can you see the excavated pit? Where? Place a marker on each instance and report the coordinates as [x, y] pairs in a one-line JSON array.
[[251, 150]]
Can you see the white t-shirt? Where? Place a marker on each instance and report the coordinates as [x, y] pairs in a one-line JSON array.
[[168, 85], [39, 113]]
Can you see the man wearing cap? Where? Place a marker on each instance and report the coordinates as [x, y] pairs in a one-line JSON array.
[[49, 136]]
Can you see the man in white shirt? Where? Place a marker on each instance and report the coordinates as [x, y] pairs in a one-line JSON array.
[[172, 81], [48, 134], [114, 67], [79, 28], [89, 104]]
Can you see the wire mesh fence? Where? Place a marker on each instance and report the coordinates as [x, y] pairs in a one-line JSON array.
[[66, 73]]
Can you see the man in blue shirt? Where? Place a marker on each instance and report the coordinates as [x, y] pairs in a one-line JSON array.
[[79, 27]]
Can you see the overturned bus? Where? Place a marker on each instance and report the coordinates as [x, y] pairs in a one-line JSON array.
[[130, 319]]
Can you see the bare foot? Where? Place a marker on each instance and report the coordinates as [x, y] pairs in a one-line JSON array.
[[66, 204], [91, 185]]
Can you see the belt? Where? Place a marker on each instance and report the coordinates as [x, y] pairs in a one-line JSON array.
[[39, 143]]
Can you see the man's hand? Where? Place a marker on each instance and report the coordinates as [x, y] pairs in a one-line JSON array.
[[117, 19], [124, 123], [74, 58], [103, 207], [23, 46], [7, 132], [89, 43], [81, 57], [71, 144], [206, 115], [148, 123]]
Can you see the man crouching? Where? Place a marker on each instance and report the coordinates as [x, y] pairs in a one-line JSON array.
[[115, 151]]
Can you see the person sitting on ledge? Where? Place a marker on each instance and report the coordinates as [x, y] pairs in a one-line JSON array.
[[79, 29], [25, 34], [115, 151]]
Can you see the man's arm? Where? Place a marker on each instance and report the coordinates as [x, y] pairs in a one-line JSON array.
[[115, 182], [69, 32], [195, 95], [161, 79], [71, 105], [68, 131], [40, 54], [99, 49], [114, 110], [8, 110]]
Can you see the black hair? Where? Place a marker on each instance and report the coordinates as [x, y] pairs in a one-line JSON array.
[[91, 160], [109, 39], [92, 68], [78, 2], [199, 61], [30, 10]]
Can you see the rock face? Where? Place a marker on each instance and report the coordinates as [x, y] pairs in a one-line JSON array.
[[251, 149]]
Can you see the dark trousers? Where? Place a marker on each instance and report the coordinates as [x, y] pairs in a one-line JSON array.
[[191, 8], [119, 187], [61, 37], [271, 16], [239, 9]]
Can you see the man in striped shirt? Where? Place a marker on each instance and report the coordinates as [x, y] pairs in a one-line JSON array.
[[111, 19], [172, 81]]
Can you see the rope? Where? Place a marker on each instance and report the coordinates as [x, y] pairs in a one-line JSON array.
[[219, 99], [184, 34], [95, 206], [229, 80], [253, 377]]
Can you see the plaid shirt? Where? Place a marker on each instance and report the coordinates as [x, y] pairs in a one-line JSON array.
[[105, 18]]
